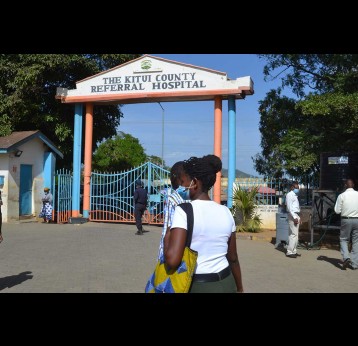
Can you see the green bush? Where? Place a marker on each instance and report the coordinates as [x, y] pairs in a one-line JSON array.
[[243, 210]]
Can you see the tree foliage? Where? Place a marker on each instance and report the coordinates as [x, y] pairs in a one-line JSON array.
[[28, 85], [119, 153], [158, 161], [288, 138], [324, 117]]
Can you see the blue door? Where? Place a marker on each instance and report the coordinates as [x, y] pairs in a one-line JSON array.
[[25, 189]]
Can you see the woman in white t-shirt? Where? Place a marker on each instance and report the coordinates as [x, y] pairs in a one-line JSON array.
[[214, 232]]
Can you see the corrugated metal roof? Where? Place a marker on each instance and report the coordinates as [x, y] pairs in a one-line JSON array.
[[7, 142], [17, 138]]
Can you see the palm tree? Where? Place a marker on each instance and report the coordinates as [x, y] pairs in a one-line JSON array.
[[243, 210]]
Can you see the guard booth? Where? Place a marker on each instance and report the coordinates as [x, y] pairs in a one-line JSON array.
[[335, 168]]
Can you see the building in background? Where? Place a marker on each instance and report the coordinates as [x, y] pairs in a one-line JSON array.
[[27, 165]]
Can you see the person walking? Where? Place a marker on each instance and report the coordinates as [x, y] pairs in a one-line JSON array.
[[347, 206], [140, 205], [176, 195], [46, 210], [294, 220], [214, 232]]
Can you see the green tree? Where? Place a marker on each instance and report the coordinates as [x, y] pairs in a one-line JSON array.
[[155, 159], [119, 153], [323, 118], [288, 138], [158, 161], [28, 85]]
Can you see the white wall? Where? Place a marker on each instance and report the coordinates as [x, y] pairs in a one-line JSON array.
[[4, 164], [267, 214]]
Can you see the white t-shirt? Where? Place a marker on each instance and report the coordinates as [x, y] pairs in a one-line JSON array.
[[213, 226]]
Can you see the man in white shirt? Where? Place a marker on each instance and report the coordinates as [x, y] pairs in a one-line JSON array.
[[347, 206], [294, 220]]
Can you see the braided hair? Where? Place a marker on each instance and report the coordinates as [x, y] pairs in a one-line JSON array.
[[203, 169], [175, 173]]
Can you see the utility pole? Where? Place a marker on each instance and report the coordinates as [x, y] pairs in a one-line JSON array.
[[162, 134]]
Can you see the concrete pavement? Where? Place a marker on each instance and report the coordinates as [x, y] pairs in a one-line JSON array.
[[103, 257]]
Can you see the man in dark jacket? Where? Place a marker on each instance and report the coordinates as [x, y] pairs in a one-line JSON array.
[[140, 205]]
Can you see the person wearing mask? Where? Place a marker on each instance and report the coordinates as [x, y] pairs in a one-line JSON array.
[[176, 195], [140, 205], [46, 211], [294, 220], [214, 232], [347, 206]]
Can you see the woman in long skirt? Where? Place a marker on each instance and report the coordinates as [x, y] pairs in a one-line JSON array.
[[46, 211]]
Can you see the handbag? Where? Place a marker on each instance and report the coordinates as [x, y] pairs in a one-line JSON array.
[[165, 280]]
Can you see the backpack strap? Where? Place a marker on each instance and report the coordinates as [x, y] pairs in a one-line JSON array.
[[188, 208]]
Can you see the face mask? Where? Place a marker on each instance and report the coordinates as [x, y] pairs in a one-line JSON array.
[[184, 191], [46, 193], [296, 191], [180, 190]]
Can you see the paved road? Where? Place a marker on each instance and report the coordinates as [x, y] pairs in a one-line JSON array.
[[101, 257]]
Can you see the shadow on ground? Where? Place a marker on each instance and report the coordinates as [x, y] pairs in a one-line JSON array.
[[13, 280], [334, 261], [280, 247]]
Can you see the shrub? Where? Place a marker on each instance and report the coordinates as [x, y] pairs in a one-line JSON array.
[[243, 210]]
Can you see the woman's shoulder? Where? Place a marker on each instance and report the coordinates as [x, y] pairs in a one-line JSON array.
[[209, 204], [175, 198]]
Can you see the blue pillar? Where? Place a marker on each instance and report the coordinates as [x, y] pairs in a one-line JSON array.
[[149, 178], [77, 141], [232, 149], [49, 169]]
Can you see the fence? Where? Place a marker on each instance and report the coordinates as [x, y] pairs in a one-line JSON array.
[[112, 194], [62, 196], [111, 198], [272, 191]]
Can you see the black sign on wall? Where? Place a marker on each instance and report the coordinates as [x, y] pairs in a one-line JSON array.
[[336, 168]]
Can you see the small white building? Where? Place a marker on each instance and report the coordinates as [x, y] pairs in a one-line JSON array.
[[27, 165]]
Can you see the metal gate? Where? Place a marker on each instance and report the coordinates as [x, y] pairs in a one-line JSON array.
[[62, 196], [111, 198], [112, 194]]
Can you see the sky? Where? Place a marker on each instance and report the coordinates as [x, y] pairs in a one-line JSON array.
[[189, 126]]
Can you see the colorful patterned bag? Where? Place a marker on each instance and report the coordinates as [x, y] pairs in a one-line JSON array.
[[179, 280]]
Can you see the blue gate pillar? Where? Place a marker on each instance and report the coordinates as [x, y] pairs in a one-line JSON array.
[[77, 142]]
